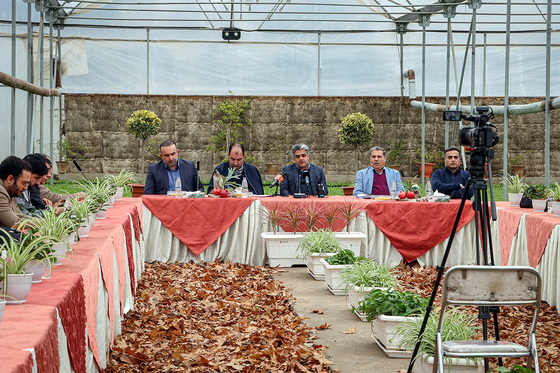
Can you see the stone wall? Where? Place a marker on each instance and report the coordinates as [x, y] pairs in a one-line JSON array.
[[98, 122]]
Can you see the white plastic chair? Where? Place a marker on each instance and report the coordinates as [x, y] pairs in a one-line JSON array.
[[489, 286]]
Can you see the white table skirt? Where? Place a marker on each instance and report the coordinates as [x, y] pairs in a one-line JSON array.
[[242, 242]]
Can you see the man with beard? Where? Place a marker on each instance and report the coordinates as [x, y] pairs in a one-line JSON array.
[[302, 176], [15, 177], [162, 176], [25, 200], [451, 180]]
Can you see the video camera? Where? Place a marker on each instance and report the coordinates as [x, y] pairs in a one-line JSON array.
[[481, 135]]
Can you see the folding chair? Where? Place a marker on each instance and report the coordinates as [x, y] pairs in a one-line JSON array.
[[489, 286]]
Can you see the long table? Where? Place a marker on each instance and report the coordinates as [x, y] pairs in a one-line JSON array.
[[69, 321], [184, 229]]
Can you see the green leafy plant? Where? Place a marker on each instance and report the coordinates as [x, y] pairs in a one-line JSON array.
[[330, 213], [515, 369], [433, 154], [344, 257], [293, 214], [514, 161], [356, 130], [369, 274], [231, 119], [70, 150], [537, 191], [515, 184], [555, 191], [143, 124], [395, 155], [313, 211], [319, 241], [349, 210], [410, 185], [21, 253], [121, 180], [457, 326], [391, 302], [98, 192], [226, 182]]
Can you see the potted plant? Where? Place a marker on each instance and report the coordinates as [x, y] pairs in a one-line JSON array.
[[121, 181], [99, 193], [395, 156], [515, 186], [433, 158], [276, 146], [515, 166], [316, 245], [363, 276], [333, 266], [143, 124], [313, 212], [411, 189], [457, 326], [281, 247], [388, 308], [356, 130], [515, 369], [555, 194], [538, 194], [80, 212], [68, 150]]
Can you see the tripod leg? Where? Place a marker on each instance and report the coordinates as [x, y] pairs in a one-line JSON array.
[[490, 246]]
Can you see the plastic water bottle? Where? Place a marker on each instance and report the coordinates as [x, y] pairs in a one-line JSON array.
[[244, 188], [428, 189], [178, 192], [393, 190]]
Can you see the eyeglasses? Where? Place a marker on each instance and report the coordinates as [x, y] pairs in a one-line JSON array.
[[25, 183]]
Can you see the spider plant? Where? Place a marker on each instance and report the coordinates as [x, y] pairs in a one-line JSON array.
[[349, 210], [80, 211], [121, 180], [99, 192], [515, 184], [319, 241], [313, 212], [369, 274], [555, 191], [272, 215], [51, 224], [21, 253], [457, 325]]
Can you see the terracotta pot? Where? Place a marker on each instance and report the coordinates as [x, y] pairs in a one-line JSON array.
[[428, 169], [62, 167], [272, 168], [348, 191], [137, 190], [518, 170], [396, 167]]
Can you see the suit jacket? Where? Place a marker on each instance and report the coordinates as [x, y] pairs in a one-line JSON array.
[[250, 172], [157, 181], [447, 182], [364, 180], [292, 178], [10, 214]]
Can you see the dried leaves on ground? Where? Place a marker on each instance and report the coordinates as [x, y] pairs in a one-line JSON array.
[[214, 316]]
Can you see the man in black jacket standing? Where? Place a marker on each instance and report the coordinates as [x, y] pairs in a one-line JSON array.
[[242, 169]]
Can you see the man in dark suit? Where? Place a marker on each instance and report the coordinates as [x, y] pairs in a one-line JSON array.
[[162, 176], [302, 176], [242, 169]]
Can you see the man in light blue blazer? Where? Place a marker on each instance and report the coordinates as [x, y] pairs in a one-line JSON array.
[[377, 179]]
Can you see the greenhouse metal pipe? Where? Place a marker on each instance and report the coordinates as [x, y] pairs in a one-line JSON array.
[[10, 81], [484, 66], [473, 60], [447, 73], [535, 107], [318, 64], [148, 61], [547, 88], [411, 75], [401, 61], [506, 101], [41, 82], [30, 96], [423, 102], [51, 85], [13, 102], [58, 75]]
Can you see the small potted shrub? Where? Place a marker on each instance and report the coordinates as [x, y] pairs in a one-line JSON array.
[[515, 187], [361, 277], [143, 124], [315, 246], [456, 326], [334, 265], [121, 181], [388, 308], [538, 194], [555, 194]]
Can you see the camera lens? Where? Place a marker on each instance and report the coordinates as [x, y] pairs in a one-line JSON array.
[[467, 136]]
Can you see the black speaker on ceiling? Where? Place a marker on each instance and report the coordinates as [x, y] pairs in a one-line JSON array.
[[231, 33]]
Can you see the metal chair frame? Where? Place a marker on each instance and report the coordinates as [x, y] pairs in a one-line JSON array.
[[489, 286]]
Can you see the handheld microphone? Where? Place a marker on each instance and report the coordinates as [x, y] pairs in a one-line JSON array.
[[80, 169], [305, 174], [277, 180]]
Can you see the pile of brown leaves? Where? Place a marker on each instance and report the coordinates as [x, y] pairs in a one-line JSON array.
[[213, 317], [514, 322]]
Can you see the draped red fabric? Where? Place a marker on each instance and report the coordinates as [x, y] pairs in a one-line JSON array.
[[509, 223], [539, 226], [415, 227], [15, 360]]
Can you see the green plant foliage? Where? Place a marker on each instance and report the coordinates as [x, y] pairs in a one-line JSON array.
[[537, 191], [555, 191], [395, 155], [356, 130], [391, 302], [457, 326], [121, 180], [515, 184], [369, 274], [344, 257], [143, 124], [70, 150], [319, 241], [515, 369]]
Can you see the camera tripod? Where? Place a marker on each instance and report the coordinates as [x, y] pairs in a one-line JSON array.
[[477, 181]]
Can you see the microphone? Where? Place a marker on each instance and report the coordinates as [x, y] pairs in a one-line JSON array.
[[277, 180], [305, 174], [80, 169]]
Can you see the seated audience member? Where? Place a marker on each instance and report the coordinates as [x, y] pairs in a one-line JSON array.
[[162, 176], [236, 161], [15, 176], [38, 172], [302, 176], [377, 179], [50, 198], [451, 180]]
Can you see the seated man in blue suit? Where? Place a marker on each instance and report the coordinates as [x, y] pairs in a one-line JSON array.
[[302, 176], [242, 169], [162, 176], [377, 179]]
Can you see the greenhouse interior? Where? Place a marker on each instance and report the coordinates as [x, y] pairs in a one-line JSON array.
[[274, 79]]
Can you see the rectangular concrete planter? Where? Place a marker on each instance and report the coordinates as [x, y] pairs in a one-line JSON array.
[[355, 297], [457, 366], [281, 248], [332, 276], [384, 328], [351, 241], [314, 264]]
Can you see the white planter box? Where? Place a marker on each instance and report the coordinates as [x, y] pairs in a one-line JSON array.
[[354, 298], [457, 366], [384, 328], [315, 266], [332, 277], [351, 241], [281, 248]]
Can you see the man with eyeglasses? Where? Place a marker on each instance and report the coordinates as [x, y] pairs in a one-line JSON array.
[[30, 202], [15, 176], [302, 176], [451, 180]]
